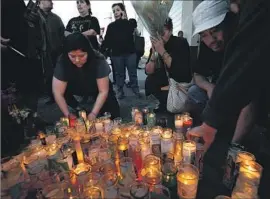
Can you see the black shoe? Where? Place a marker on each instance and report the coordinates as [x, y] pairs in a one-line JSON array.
[[139, 68]]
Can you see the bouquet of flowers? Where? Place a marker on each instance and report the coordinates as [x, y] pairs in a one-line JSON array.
[[20, 115]]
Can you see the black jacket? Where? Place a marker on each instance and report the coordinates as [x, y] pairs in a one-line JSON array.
[[245, 74]]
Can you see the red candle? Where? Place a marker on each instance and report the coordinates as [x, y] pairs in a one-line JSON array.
[[137, 161], [72, 120], [187, 122]]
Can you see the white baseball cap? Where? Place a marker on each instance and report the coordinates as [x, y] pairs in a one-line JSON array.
[[209, 14]]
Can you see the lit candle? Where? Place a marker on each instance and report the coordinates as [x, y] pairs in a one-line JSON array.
[[178, 148], [82, 114], [42, 138], [78, 149], [145, 112], [169, 172], [187, 181], [145, 147], [138, 117], [189, 152], [167, 141], [178, 122], [133, 111], [151, 119], [250, 172], [64, 121], [156, 140], [72, 120], [116, 131], [122, 147], [113, 145], [187, 122], [99, 126]]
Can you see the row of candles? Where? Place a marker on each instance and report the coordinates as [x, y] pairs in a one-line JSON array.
[[158, 154]]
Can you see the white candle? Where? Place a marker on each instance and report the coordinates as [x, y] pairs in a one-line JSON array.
[[178, 122], [189, 152], [99, 127], [167, 141]]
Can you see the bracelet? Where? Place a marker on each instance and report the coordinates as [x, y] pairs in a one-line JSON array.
[[165, 52], [92, 113]]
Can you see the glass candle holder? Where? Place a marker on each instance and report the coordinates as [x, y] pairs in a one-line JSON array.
[[145, 112], [133, 111], [82, 114], [138, 118], [178, 122], [72, 120], [92, 193], [113, 145], [116, 131], [169, 172], [230, 165], [189, 152], [199, 158], [122, 146], [152, 162], [155, 138], [117, 121], [187, 181], [145, 147], [127, 172], [187, 121], [178, 148], [139, 190], [151, 119], [249, 174], [64, 121], [78, 149], [159, 191], [243, 195], [167, 141], [99, 126], [109, 182]]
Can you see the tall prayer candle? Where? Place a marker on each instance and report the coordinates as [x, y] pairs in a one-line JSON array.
[[78, 149], [167, 141], [189, 152]]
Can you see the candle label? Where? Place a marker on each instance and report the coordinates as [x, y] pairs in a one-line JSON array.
[[166, 146], [228, 179], [156, 149]]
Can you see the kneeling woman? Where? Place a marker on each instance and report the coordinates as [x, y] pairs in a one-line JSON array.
[[83, 71]]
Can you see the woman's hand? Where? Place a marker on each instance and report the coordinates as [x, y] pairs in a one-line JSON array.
[[158, 45], [91, 116], [208, 134]]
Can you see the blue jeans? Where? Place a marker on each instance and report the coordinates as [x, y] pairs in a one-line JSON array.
[[120, 64], [197, 97]]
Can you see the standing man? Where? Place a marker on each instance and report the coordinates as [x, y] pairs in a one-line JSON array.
[[55, 35], [244, 78]]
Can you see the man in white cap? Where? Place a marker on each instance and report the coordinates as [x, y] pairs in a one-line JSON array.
[[215, 24], [244, 78]]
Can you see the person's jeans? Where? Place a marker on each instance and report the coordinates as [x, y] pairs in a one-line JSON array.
[[120, 64], [197, 97]]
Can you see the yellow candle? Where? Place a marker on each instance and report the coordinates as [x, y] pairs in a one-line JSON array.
[[244, 156], [178, 122], [99, 126], [78, 149], [167, 141], [187, 182]]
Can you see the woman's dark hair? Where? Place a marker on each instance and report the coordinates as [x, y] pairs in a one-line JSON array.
[[87, 3], [77, 41], [168, 24], [122, 6], [133, 22]]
